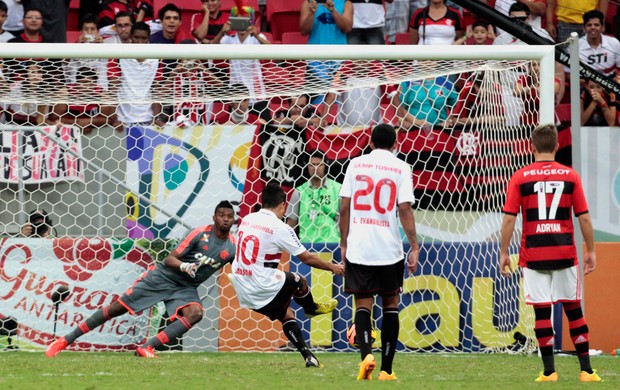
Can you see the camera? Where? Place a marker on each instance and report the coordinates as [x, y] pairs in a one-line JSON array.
[[41, 223], [89, 37]]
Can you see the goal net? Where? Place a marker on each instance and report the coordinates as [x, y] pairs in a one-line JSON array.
[[119, 151]]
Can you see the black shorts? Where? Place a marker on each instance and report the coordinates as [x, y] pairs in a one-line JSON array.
[[276, 309], [374, 279]]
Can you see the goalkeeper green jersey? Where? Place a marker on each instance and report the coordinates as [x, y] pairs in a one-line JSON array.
[[318, 212]]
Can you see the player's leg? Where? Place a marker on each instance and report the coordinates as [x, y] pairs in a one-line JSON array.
[[187, 314], [303, 296], [565, 288], [390, 327], [292, 331], [95, 320], [279, 309], [537, 290], [391, 279], [363, 283]]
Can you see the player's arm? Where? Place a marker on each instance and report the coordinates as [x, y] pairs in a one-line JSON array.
[[508, 226], [203, 28], [589, 258], [173, 261], [407, 220], [313, 260], [343, 225]]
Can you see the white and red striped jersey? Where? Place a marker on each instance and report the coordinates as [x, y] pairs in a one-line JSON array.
[[262, 238]]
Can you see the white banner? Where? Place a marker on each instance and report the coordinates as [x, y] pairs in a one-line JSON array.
[[185, 171], [600, 173], [96, 272], [43, 160]]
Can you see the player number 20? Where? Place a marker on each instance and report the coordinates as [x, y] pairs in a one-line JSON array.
[[368, 197], [542, 188]]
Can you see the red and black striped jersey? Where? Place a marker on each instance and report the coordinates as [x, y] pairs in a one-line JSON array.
[[546, 193]]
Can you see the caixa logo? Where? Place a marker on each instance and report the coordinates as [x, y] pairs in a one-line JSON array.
[[467, 144]]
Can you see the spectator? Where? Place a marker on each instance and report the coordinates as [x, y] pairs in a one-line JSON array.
[[39, 225], [520, 13], [357, 89], [326, 23], [600, 51], [190, 82], [238, 111], [205, 25], [123, 21], [55, 14], [5, 36], [133, 78], [313, 207], [14, 17], [27, 85], [246, 72], [368, 22], [89, 34], [569, 15], [527, 89], [537, 8], [33, 25], [397, 17], [436, 24], [598, 108], [300, 113], [478, 33], [87, 116], [426, 103], [170, 18], [513, 105], [141, 10]]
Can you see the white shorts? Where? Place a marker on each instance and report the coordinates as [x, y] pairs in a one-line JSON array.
[[551, 286]]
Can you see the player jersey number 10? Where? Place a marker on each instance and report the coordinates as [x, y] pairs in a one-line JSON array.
[[242, 246], [542, 188], [365, 198]]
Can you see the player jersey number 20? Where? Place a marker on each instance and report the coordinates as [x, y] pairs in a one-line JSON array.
[[542, 188], [369, 197], [242, 246]]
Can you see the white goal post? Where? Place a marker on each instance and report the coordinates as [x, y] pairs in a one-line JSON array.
[[122, 191]]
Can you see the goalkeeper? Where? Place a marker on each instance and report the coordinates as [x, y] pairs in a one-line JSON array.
[[175, 282]]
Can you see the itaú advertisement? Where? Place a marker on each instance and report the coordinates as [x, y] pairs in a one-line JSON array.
[[456, 301], [93, 272]]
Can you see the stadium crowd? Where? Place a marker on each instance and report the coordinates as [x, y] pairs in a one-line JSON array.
[[436, 22]]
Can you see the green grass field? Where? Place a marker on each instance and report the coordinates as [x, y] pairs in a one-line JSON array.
[[108, 370]]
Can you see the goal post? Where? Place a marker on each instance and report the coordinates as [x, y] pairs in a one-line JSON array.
[[154, 145]]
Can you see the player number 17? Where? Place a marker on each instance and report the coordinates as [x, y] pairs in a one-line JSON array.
[[542, 188]]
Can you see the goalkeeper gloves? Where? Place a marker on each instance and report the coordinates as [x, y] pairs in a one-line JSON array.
[[189, 268]]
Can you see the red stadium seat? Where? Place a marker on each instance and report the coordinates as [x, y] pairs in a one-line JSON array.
[[283, 16], [402, 39], [294, 38], [73, 19], [72, 36]]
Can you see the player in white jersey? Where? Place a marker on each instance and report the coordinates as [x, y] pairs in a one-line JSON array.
[[258, 282], [377, 191]]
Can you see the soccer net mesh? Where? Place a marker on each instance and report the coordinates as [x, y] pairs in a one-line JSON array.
[[122, 157]]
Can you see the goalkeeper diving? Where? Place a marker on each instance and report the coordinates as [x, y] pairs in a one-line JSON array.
[[175, 282]]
